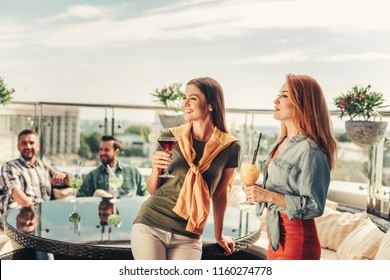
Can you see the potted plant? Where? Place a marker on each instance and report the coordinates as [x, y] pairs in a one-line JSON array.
[[5, 93], [171, 97], [361, 104]]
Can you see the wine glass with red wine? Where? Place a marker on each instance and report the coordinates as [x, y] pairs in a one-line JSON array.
[[167, 143]]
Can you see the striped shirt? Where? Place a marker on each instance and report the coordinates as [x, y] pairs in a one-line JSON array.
[[33, 179]]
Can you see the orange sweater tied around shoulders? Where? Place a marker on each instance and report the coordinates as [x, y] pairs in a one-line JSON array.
[[193, 203]]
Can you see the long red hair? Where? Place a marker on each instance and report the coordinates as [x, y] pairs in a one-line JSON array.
[[310, 114]]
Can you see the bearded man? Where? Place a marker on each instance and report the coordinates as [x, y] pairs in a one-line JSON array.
[[27, 180], [97, 180]]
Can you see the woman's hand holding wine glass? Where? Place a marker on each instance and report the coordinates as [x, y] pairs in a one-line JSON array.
[[162, 159]]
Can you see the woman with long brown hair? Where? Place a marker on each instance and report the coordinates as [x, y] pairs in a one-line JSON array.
[[297, 173], [170, 223]]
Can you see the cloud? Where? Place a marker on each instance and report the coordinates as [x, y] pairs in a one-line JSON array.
[[82, 12], [277, 58], [98, 26], [368, 56], [10, 34], [290, 57], [86, 11], [14, 63]]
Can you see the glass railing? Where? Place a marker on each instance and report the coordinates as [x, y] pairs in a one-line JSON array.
[[71, 132]]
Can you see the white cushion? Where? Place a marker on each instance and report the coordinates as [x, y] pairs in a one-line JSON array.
[[327, 254], [9, 246], [362, 243], [331, 204], [384, 248], [333, 226], [3, 238]]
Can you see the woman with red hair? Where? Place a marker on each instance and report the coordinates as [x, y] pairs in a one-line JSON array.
[[297, 175]]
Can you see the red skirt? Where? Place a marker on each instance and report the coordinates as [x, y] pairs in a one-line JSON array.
[[298, 240]]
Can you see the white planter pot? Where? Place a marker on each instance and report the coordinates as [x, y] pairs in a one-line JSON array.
[[365, 133]]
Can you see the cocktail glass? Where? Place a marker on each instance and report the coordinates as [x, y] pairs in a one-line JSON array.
[[249, 173], [115, 181], [167, 143], [75, 183]]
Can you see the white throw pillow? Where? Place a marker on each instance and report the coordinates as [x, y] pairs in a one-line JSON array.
[[362, 243], [384, 248], [331, 204], [333, 226]]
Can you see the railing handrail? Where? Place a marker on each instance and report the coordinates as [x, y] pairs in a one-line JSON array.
[[151, 107]]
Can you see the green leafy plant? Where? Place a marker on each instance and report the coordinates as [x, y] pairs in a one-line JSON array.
[[170, 96], [360, 103], [5, 93]]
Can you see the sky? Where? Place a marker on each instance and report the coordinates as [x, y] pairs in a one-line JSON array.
[[119, 51]]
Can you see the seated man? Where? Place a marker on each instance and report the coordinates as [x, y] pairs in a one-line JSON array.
[[27, 180], [133, 182]]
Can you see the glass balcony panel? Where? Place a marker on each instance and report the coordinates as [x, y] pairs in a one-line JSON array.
[[13, 119], [71, 133]]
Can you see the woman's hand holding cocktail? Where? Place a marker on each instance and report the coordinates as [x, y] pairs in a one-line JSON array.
[[256, 193], [161, 160]]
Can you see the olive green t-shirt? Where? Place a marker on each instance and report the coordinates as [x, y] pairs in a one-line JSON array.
[[157, 212]]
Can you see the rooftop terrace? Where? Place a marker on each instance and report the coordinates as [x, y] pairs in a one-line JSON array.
[[70, 132]]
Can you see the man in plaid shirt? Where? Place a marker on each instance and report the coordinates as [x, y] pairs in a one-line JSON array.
[[27, 180]]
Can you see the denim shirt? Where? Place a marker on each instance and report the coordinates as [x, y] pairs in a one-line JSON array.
[[301, 172], [133, 182]]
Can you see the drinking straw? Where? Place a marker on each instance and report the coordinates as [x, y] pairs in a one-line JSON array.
[[257, 149], [78, 167]]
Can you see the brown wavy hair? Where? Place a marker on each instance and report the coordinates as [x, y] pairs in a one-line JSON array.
[[310, 114], [213, 92]]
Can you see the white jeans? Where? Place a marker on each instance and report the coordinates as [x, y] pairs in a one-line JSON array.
[[150, 243]]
